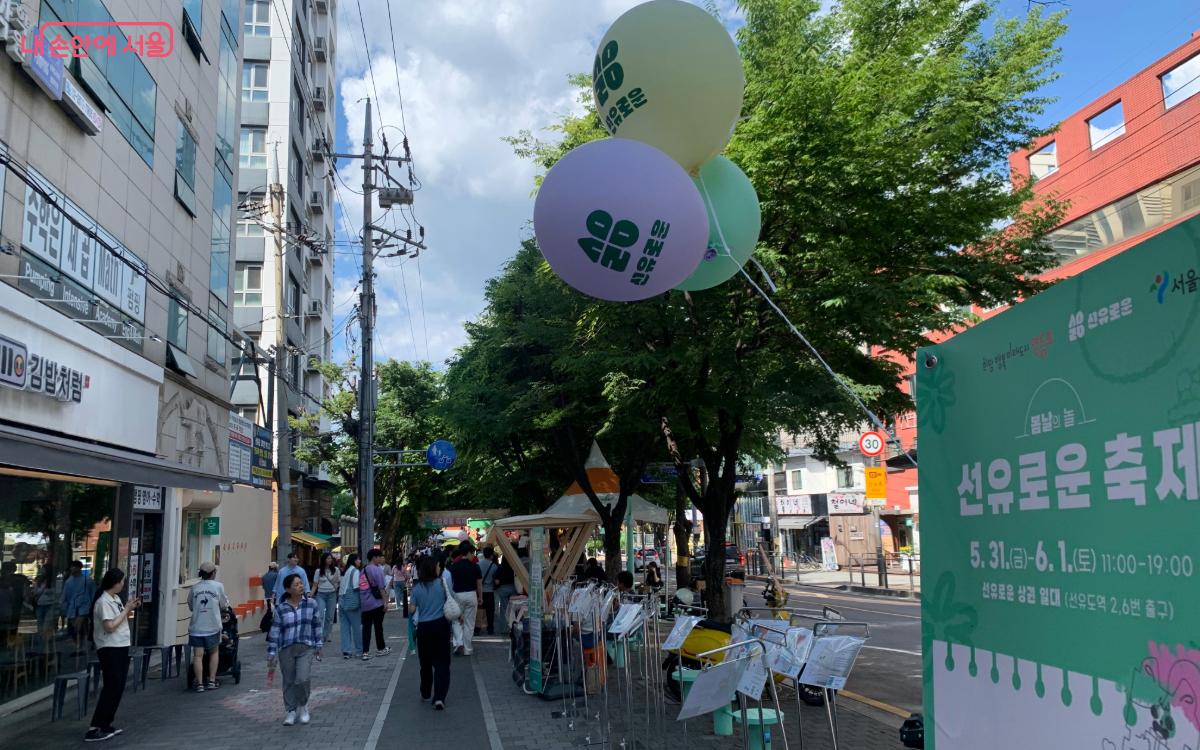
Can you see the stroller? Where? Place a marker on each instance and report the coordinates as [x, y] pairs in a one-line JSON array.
[[228, 662]]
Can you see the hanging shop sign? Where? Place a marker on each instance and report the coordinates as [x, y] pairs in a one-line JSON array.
[[262, 461], [241, 448], [793, 505], [147, 498], [846, 503], [1060, 562], [876, 481]]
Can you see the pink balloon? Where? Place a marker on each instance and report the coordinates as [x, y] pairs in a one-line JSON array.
[[620, 220]]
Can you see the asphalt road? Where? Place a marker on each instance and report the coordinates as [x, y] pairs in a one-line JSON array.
[[889, 667]]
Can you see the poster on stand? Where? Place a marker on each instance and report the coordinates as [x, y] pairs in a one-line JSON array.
[[537, 543], [684, 624], [712, 690], [830, 660], [829, 559], [1060, 497]]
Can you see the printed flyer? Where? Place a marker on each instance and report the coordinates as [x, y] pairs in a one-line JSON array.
[[1060, 488]]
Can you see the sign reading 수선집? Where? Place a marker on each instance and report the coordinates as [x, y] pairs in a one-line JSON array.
[[1060, 498]]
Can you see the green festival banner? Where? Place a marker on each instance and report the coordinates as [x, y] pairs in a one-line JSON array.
[[1060, 489]]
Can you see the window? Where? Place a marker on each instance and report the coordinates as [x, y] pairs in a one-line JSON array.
[[185, 169], [253, 150], [192, 16], [1044, 161], [249, 412], [247, 285], [299, 46], [1106, 126], [298, 105], [258, 18], [1181, 82], [216, 337], [251, 213], [294, 370], [222, 214], [296, 168], [189, 559], [177, 322], [292, 301], [797, 479], [254, 81], [845, 476], [227, 126]]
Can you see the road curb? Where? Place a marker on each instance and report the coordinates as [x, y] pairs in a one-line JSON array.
[[875, 590]]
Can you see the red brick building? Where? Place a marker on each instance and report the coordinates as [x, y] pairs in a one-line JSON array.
[[1129, 165]]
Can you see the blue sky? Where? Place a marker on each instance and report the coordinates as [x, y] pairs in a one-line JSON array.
[[472, 71]]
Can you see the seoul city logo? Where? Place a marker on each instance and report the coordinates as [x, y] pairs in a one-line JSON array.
[[607, 73], [1160, 284], [609, 240]]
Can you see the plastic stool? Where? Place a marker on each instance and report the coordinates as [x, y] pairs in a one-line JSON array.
[[61, 682], [686, 677], [723, 722], [758, 726]]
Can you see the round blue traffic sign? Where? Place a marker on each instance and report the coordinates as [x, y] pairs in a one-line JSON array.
[[441, 455]]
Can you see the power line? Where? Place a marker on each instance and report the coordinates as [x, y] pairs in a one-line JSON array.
[[424, 325], [367, 48]]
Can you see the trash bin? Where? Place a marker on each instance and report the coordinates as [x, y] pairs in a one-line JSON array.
[[735, 595]]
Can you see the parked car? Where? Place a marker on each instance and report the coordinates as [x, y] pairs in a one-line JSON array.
[[643, 556]]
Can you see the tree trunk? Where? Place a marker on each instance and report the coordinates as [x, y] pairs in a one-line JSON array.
[[716, 520], [683, 533], [612, 547]]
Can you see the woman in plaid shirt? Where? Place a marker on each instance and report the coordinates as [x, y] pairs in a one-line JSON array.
[[295, 635]]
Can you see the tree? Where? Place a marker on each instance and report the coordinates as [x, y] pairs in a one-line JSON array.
[[876, 136]]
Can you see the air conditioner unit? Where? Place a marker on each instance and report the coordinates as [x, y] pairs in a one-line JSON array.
[[315, 256], [319, 98], [315, 308], [316, 202], [322, 6], [317, 152], [313, 361], [13, 46], [319, 50], [18, 17]]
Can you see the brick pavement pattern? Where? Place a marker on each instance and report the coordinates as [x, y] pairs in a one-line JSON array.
[[346, 701]]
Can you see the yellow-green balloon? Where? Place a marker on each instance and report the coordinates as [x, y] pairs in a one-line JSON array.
[[732, 204], [668, 74]]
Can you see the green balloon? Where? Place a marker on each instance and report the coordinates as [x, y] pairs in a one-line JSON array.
[[733, 212], [668, 74]]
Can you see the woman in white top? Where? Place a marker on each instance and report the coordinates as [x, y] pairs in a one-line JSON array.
[[350, 606], [325, 591], [110, 631]]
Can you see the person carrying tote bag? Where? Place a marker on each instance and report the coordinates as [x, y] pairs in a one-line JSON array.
[[351, 607]]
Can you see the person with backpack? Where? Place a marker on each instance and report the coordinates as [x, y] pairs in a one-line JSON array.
[[110, 632], [206, 601], [372, 588], [350, 606], [326, 583], [430, 595]]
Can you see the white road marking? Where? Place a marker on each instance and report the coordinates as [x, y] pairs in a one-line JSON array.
[[381, 717], [488, 719], [894, 650]]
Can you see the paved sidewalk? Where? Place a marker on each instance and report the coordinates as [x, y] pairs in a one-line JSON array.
[[376, 704], [345, 700]]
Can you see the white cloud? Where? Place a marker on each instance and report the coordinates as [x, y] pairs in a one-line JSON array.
[[471, 72]]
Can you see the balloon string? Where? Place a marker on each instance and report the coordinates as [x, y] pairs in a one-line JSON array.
[[713, 210]]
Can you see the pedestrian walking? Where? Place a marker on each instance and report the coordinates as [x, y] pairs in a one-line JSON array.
[[268, 583], [433, 632], [467, 584], [371, 590], [326, 582], [293, 566], [79, 591], [294, 640], [506, 587], [488, 568], [206, 601], [351, 607], [110, 632], [401, 578]]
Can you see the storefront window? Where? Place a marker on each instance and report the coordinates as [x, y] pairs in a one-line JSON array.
[[189, 564], [55, 544]]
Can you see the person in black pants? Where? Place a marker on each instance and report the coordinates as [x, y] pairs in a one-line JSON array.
[[372, 593], [488, 568], [110, 631], [433, 633]]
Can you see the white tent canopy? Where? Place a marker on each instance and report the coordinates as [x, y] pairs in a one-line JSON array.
[[644, 511]]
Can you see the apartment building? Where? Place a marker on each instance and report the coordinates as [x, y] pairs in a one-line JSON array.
[[288, 119]]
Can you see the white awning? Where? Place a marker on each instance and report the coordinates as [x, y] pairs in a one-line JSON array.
[[798, 522], [643, 510]]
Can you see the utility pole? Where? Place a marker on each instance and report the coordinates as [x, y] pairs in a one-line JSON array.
[[283, 446], [366, 387], [388, 196]]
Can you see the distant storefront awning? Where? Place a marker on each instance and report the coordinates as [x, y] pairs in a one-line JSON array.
[[311, 539], [799, 522], [28, 449], [903, 461]]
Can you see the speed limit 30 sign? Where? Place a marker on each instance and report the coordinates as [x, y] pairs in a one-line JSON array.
[[871, 443]]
